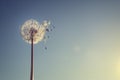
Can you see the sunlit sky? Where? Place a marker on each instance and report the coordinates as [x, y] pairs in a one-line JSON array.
[[85, 44]]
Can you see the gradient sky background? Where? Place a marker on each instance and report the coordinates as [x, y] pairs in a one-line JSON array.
[[84, 46]]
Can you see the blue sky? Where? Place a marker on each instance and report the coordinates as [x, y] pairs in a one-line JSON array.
[[85, 44]]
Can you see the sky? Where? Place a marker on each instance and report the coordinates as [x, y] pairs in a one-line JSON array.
[[85, 45]]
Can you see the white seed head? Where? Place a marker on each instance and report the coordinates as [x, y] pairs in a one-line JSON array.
[[31, 29]]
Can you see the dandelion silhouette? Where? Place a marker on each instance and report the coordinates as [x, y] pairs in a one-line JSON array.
[[33, 32]]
